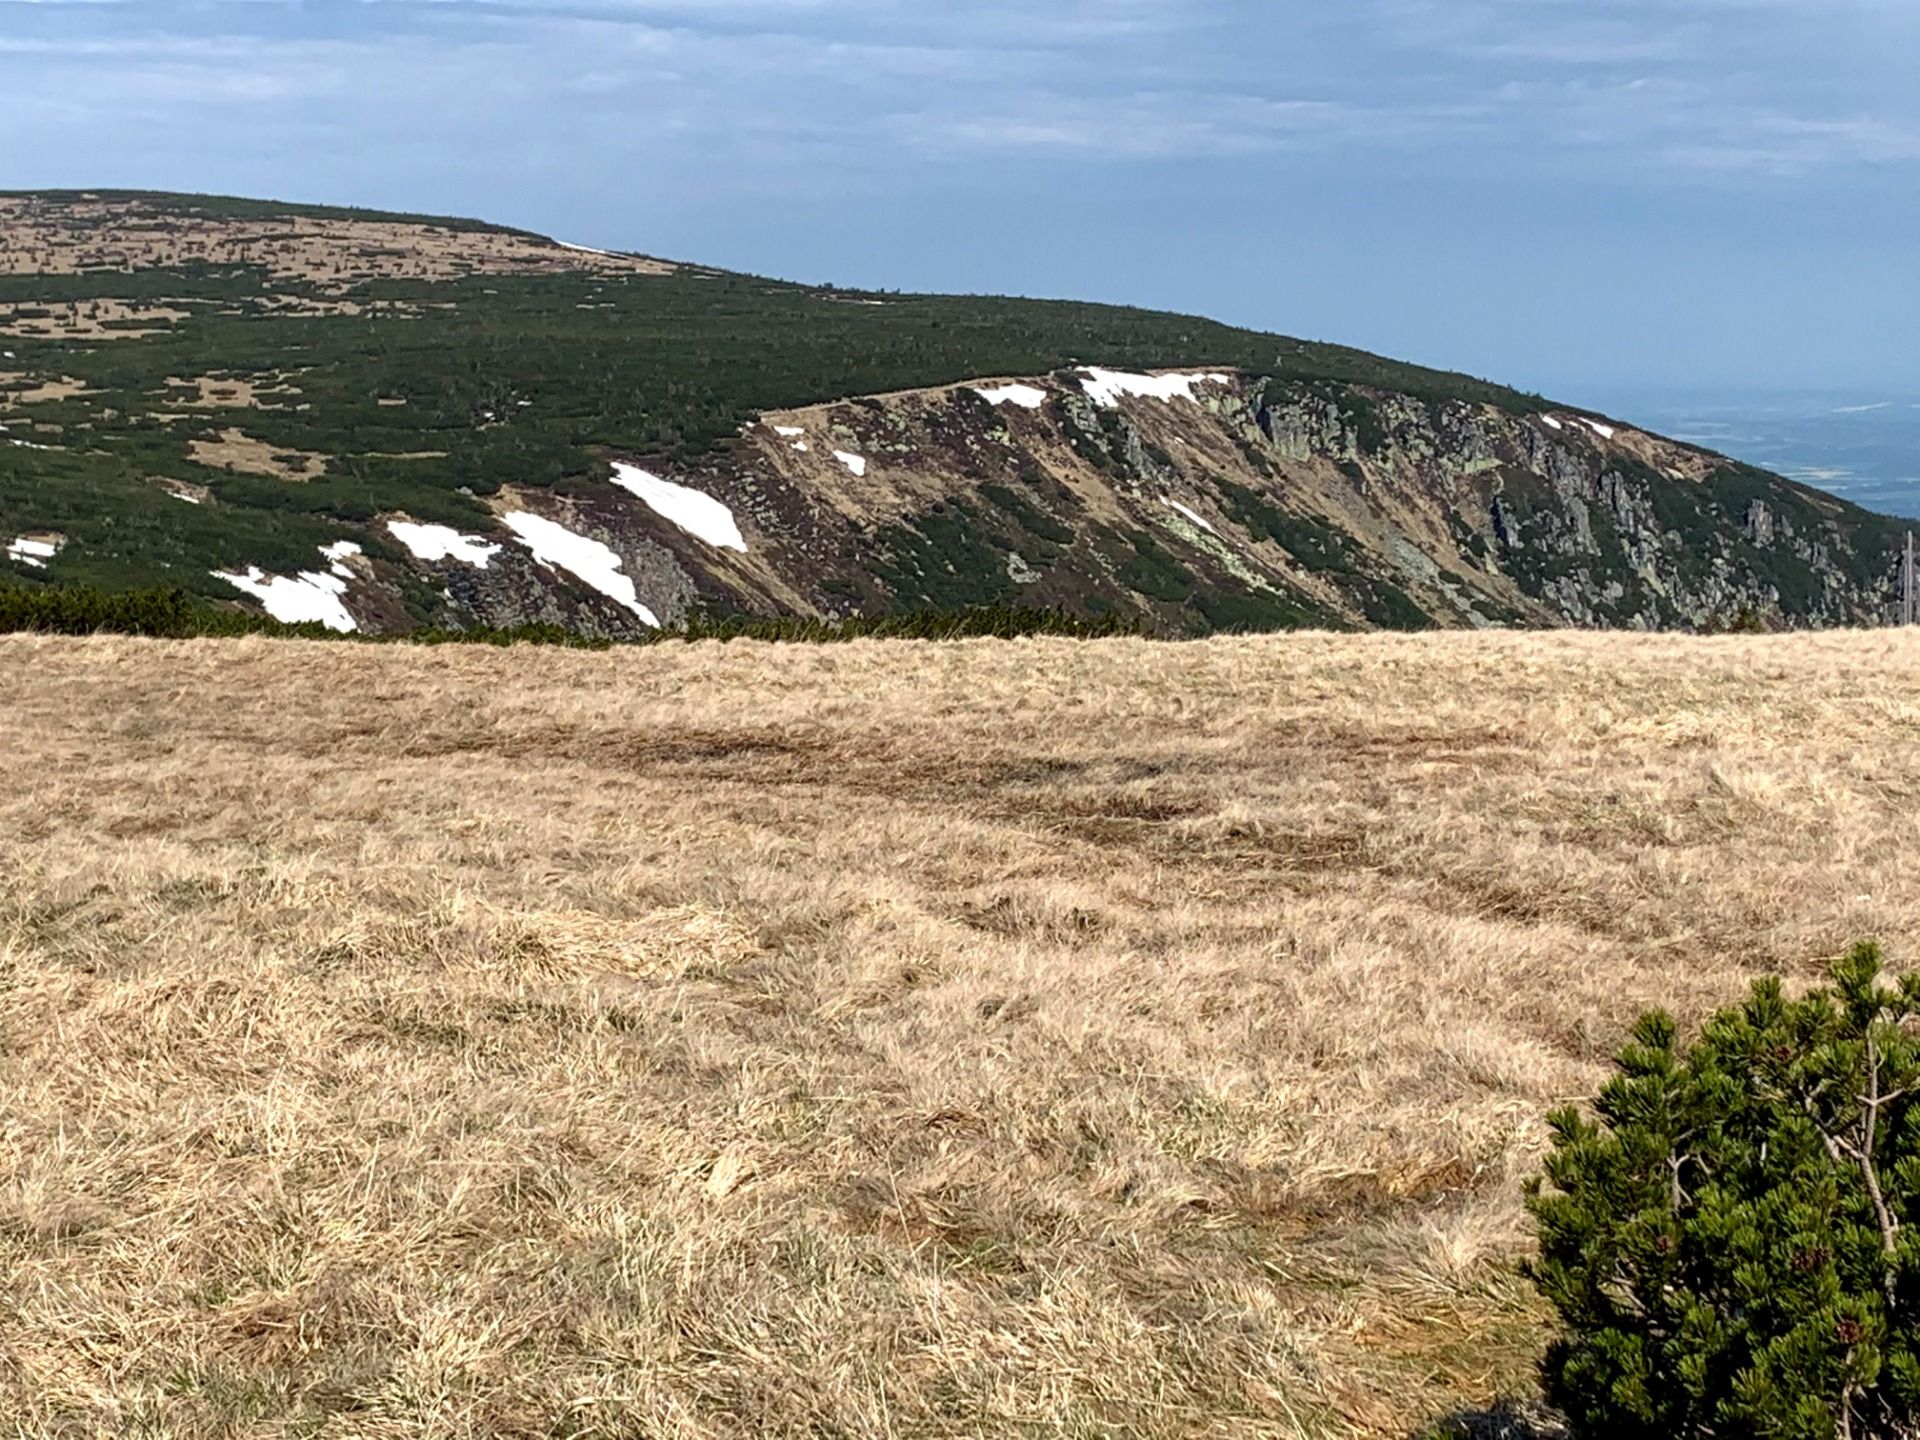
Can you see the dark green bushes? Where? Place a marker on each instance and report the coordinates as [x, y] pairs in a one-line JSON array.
[[1730, 1244], [173, 614], [80, 610]]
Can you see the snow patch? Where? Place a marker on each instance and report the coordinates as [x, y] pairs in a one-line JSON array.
[[33, 553], [584, 249], [442, 542], [588, 560], [802, 446], [1105, 387], [312, 595], [1551, 423], [789, 430], [183, 495], [701, 516], [856, 463], [1192, 515], [1605, 432], [338, 554], [1027, 397]]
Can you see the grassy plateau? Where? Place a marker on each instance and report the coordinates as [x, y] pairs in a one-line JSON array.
[[1018, 1038]]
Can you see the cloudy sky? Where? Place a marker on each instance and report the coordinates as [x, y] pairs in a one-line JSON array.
[[1557, 193]]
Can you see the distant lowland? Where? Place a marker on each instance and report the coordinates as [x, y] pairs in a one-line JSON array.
[[1862, 447]]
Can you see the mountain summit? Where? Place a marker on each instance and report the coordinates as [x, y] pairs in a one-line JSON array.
[[384, 422]]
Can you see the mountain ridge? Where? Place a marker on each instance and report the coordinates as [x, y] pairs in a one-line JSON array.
[[307, 378]]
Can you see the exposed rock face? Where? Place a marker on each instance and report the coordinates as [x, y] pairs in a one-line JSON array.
[[1250, 504]]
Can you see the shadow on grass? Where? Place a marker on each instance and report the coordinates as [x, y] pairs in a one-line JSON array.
[[1509, 1420]]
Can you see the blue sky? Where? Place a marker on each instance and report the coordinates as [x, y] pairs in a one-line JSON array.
[[1566, 194]]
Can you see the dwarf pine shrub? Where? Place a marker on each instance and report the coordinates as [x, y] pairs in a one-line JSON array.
[[1729, 1243]]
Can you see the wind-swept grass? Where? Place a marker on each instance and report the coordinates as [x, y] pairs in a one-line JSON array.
[[1026, 1038]]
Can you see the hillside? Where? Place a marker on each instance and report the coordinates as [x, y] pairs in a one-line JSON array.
[[1036, 1038], [382, 422]]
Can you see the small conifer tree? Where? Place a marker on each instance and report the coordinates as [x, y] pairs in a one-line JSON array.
[[1730, 1244]]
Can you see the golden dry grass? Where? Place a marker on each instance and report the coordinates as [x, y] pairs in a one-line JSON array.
[[237, 450], [1001, 1038]]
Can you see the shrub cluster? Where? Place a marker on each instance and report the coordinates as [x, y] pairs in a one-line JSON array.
[[84, 610], [1729, 1243]]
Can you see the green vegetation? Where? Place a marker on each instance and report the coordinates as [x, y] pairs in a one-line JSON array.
[[1153, 572], [1313, 543], [1387, 605], [1250, 611], [1031, 517], [497, 379], [174, 614], [946, 560], [1730, 1244]]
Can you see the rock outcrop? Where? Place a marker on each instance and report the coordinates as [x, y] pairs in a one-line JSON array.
[[1206, 502]]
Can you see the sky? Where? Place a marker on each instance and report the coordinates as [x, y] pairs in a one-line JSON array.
[[1576, 196]]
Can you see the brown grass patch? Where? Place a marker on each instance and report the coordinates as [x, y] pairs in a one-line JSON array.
[[229, 392], [44, 392], [237, 450], [872, 1039], [91, 319]]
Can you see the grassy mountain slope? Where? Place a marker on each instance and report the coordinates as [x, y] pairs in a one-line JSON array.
[[926, 1040], [303, 373]]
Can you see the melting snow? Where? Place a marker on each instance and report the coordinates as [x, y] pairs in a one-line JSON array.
[[1195, 517], [1027, 397], [1551, 423], [310, 595], [556, 546], [856, 463], [801, 445], [1605, 432], [442, 542], [1105, 387], [789, 430], [35, 553], [337, 555], [701, 516]]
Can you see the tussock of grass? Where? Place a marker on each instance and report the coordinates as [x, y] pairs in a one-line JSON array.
[[1032, 1038]]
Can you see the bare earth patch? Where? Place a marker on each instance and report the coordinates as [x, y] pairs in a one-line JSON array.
[[884, 1039], [237, 450]]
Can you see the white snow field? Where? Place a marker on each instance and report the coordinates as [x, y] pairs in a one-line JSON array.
[[1105, 387], [587, 559], [442, 542], [701, 516]]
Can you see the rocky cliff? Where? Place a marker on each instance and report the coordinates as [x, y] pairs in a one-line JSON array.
[[1193, 501]]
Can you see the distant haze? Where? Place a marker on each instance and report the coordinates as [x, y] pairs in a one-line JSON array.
[[1864, 446], [1565, 196]]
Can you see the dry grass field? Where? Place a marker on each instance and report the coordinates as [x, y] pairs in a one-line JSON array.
[[876, 1040]]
